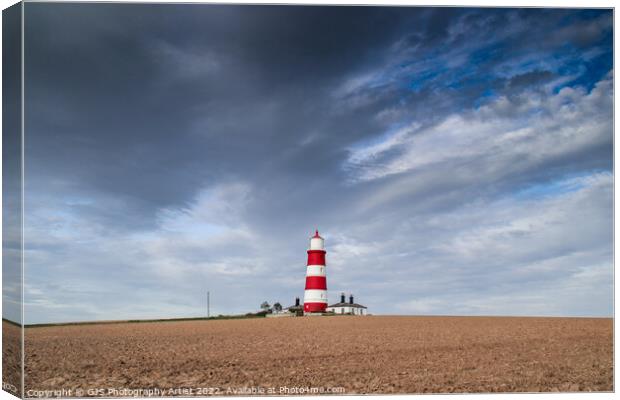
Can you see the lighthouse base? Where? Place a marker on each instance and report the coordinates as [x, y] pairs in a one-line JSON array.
[[313, 314]]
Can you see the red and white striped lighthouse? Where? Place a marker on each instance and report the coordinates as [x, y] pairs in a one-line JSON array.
[[315, 296]]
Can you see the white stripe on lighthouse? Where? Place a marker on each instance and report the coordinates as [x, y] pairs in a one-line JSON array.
[[315, 296], [317, 243], [315, 270]]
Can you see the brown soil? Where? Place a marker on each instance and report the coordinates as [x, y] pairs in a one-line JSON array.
[[11, 358], [359, 354]]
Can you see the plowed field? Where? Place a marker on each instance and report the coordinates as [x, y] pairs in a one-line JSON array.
[[321, 354]]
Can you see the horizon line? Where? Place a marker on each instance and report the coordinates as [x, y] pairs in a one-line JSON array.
[[252, 316]]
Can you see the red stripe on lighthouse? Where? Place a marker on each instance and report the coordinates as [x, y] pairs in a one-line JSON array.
[[316, 282], [316, 257], [315, 307]]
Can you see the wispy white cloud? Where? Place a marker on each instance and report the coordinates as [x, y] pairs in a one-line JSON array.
[[511, 256], [203, 245], [531, 127]]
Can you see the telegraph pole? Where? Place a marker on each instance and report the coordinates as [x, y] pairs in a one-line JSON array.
[[208, 305]]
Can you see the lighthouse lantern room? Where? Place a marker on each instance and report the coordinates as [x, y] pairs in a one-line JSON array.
[[315, 295]]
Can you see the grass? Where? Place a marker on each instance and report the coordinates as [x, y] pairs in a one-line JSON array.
[[139, 321]]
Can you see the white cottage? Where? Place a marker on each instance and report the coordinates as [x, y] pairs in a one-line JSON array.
[[347, 308]]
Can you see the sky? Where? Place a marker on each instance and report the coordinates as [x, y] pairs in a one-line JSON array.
[[457, 161]]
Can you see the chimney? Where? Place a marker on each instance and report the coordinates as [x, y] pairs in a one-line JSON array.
[[351, 299], [342, 300], [296, 301]]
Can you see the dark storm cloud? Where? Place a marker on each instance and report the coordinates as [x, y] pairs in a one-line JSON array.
[[124, 78], [173, 147]]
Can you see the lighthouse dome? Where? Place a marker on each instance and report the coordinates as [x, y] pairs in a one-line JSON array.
[[317, 242]]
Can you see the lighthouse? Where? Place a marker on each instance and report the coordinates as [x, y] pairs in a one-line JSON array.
[[315, 295]]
